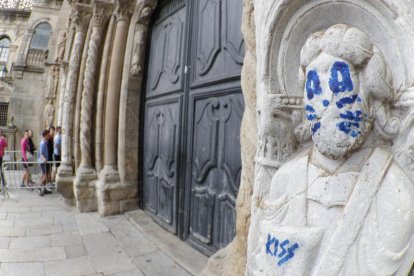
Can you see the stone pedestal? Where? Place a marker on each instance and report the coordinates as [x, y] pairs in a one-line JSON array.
[[84, 190], [113, 196], [64, 182]]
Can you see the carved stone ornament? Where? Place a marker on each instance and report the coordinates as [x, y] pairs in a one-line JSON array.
[[123, 10], [81, 17], [343, 204], [144, 11]]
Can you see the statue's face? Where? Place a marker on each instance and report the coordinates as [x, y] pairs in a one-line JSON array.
[[333, 106]]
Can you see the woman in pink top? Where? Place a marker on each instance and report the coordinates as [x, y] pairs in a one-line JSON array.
[[3, 145], [24, 145]]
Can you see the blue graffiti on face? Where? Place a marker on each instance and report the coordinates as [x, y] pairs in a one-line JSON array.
[[315, 127], [313, 84], [345, 84], [309, 108], [272, 246], [346, 100], [351, 123]]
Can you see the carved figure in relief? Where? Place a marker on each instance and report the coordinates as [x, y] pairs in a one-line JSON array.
[[53, 81], [60, 52], [343, 206], [49, 114]]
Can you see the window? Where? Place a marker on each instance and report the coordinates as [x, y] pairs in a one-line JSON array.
[[4, 49], [4, 55], [40, 39], [4, 108]]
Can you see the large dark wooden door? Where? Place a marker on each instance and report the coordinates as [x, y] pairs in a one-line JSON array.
[[193, 110]]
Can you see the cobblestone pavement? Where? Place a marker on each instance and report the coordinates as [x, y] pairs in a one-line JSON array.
[[41, 236]]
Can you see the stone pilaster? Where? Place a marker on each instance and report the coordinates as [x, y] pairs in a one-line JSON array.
[[65, 173], [131, 93], [84, 187], [113, 197]]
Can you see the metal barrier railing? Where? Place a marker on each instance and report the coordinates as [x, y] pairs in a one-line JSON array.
[[16, 155], [12, 175]]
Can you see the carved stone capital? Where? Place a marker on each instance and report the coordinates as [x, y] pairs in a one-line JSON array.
[[101, 13], [81, 17], [123, 10]]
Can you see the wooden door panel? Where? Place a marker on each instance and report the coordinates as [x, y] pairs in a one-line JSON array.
[[161, 145], [166, 58], [216, 168], [219, 48]]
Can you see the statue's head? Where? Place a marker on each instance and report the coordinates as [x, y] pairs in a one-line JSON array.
[[347, 88]]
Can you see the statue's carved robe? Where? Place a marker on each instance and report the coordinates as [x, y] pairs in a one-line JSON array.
[[357, 220]]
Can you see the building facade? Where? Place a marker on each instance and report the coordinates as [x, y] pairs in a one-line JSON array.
[[29, 37]]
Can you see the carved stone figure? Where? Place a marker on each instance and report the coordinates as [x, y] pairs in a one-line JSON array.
[[61, 48], [342, 206], [53, 81], [144, 10], [49, 115]]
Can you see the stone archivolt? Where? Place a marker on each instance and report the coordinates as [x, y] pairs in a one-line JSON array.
[[108, 86]]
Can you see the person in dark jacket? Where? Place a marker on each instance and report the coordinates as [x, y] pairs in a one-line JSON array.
[[32, 147], [50, 149]]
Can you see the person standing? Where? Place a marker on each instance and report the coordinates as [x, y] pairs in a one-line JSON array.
[[32, 147], [50, 149], [3, 145], [24, 146], [31, 156], [57, 144], [43, 158]]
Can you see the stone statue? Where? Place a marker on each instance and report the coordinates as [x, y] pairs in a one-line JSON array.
[[343, 205], [49, 114], [60, 52], [53, 81]]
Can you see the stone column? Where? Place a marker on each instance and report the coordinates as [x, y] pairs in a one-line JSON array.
[[64, 68], [109, 189], [83, 186], [101, 95], [65, 173], [76, 130]]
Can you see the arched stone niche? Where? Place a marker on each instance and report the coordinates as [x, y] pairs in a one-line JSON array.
[[289, 24]]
